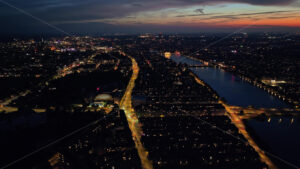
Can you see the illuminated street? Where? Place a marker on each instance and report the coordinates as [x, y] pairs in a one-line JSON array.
[[4, 105], [160, 100], [134, 125], [60, 74], [238, 122]]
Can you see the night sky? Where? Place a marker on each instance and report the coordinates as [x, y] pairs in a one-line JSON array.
[[138, 16]]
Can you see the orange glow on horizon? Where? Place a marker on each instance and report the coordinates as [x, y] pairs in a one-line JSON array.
[[226, 20], [289, 22]]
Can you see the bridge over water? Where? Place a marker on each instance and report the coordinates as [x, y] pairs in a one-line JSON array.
[[250, 112]]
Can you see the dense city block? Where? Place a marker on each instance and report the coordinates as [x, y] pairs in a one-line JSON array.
[[129, 101]]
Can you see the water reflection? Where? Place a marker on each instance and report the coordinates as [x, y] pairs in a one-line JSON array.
[[233, 88], [280, 134]]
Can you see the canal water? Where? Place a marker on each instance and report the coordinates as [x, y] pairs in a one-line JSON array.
[[281, 134]]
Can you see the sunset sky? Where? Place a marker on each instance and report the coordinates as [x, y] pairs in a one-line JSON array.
[[90, 16]]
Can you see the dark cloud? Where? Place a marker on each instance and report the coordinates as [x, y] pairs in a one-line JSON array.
[[72, 11], [235, 16], [200, 10], [60, 10], [137, 5], [193, 15]]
